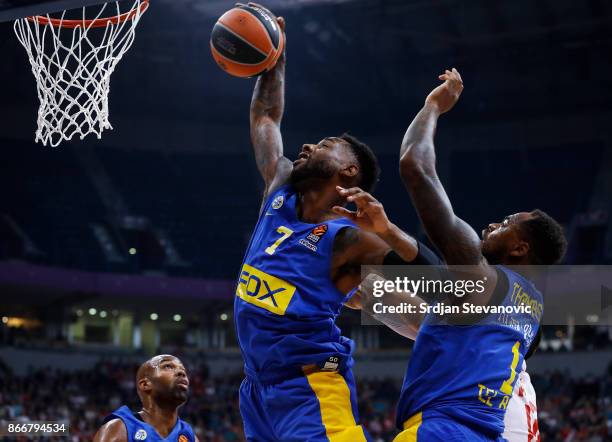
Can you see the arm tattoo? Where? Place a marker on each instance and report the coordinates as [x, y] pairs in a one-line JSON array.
[[456, 240], [267, 106]]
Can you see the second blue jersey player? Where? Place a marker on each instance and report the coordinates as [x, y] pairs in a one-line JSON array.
[[301, 264], [464, 367]]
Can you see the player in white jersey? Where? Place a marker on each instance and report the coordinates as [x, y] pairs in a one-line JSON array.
[[521, 419]]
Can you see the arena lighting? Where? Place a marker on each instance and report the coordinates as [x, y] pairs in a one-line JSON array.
[[177, 317], [154, 316], [92, 311], [224, 316], [132, 251], [16, 322], [103, 314], [592, 318], [79, 312]]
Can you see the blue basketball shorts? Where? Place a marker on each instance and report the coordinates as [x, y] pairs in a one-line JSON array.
[[318, 406], [435, 427]]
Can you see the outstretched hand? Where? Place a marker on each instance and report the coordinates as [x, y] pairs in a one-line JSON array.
[[447, 94], [370, 214]]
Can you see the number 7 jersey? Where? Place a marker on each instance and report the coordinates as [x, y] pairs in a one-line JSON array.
[[286, 303]]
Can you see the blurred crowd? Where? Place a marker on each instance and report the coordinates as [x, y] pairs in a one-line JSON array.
[[569, 409], [574, 409]]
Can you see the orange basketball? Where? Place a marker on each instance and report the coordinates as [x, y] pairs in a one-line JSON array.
[[246, 41]]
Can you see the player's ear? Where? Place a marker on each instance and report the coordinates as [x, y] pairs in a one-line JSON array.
[[144, 384], [350, 171], [521, 248]]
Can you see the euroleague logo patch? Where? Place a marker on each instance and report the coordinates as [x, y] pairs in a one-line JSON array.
[[313, 237], [183, 438], [140, 435], [278, 202], [316, 233]]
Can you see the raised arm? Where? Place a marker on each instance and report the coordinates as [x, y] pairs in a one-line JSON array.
[[267, 106], [455, 239]]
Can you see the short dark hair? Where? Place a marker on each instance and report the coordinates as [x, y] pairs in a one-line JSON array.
[[369, 170], [546, 238]]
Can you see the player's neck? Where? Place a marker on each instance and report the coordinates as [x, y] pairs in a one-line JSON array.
[[162, 419], [315, 205]]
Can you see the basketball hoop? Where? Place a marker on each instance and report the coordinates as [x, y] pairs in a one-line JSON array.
[[72, 61]]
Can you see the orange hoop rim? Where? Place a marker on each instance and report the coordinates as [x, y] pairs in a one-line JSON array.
[[96, 23]]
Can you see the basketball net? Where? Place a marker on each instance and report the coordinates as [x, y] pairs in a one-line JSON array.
[[72, 61]]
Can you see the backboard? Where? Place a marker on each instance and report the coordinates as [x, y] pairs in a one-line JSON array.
[[14, 9]]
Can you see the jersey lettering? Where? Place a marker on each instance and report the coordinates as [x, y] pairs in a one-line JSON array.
[[264, 290]]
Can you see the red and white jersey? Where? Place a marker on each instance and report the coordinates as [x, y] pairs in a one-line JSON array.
[[521, 419]]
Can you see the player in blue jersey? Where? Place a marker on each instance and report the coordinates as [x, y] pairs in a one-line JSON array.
[[460, 377], [301, 264], [163, 387], [463, 367]]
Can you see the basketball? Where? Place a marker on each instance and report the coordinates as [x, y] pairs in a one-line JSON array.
[[246, 41]]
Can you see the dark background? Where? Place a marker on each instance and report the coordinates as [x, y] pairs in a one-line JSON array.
[[176, 181]]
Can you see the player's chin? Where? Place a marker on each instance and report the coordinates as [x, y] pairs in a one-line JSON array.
[[181, 393]]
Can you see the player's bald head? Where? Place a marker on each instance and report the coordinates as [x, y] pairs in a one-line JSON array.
[[148, 367]]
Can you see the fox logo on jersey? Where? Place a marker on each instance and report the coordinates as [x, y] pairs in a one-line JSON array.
[[183, 438], [264, 290]]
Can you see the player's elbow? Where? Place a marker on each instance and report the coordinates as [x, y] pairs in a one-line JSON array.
[[414, 169], [262, 112], [262, 124]]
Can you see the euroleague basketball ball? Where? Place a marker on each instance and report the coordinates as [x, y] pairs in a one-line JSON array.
[[247, 41]]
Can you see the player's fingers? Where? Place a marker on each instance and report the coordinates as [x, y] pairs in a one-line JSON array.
[[361, 198], [458, 75], [348, 192], [281, 22], [342, 211]]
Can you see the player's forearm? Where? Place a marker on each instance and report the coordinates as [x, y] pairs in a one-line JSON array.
[[267, 107], [269, 94], [455, 239], [405, 324], [402, 243], [417, 153]]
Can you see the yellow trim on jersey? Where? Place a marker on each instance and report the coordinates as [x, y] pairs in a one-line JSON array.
[[264, 290], [335, 403], [411, 427]]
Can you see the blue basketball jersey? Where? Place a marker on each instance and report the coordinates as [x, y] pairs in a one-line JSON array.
[[468, 372], [286, 303], [139, 431]]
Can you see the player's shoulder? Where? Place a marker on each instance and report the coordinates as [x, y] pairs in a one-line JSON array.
[[346, 237], [278, 190], [112, 431]]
